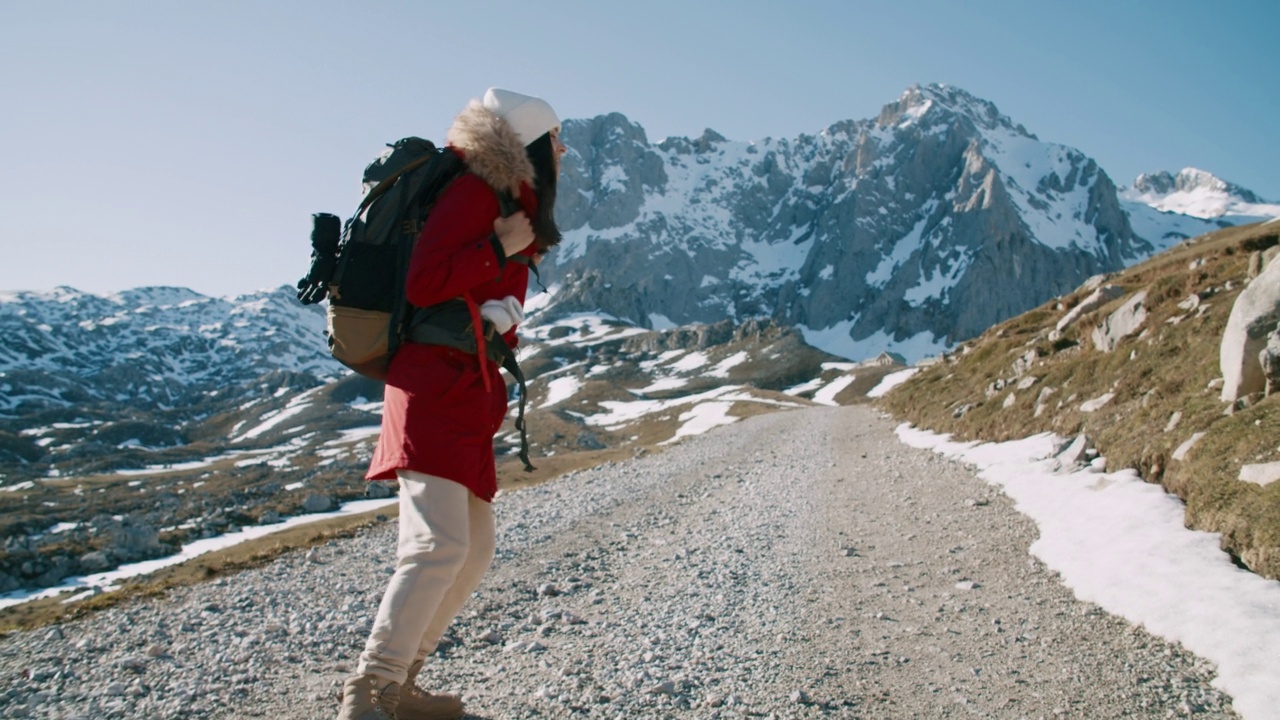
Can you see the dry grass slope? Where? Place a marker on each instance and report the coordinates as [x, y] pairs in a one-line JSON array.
[[1161, 380]]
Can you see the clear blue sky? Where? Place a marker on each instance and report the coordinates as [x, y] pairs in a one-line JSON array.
[[187, 143]]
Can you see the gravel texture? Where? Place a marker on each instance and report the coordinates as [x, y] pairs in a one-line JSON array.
[[800, 564]]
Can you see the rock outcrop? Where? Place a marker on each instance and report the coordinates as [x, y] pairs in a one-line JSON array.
[[1125, 321], [1254, 317]]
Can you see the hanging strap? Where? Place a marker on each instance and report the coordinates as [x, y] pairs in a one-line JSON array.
[[513, 367], [528, 262], [448, 324]]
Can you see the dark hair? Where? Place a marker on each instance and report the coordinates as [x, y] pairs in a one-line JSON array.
[[542, 155]]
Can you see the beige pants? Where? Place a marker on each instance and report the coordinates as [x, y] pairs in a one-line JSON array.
[[446, 544]]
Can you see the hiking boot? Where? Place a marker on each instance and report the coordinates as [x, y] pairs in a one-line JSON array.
[[418, 704], [368, 697]]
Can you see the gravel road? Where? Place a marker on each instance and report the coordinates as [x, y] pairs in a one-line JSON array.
[[800, 564]]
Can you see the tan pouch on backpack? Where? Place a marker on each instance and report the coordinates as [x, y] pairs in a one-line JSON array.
[[358, 339]]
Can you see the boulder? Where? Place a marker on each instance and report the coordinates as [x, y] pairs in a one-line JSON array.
[[52, 576], [1122, 323], [589, 441], [1096, 404], [1182, 450], [1074, 455], [1254, 316], [1261, 474], [19, 546], [316, 502], [1100, 297], [375, 490], [1269, 358], [133, 540], [1094, 282], [95, 561], [1026, 362]]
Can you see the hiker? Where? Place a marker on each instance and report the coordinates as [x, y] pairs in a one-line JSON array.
[[443, 405]]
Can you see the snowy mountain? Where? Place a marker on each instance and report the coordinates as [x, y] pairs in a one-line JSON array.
[[156, 347], [1199, 194], [135, 422], [906, 232]]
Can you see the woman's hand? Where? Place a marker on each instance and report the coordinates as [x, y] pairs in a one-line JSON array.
[[515, 232]]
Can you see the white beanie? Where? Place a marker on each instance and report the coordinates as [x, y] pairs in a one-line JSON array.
[[529, 116]]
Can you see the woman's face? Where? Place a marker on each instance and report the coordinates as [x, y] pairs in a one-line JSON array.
[[557, 148]]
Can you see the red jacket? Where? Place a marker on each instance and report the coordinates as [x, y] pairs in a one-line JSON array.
[[438, 416]]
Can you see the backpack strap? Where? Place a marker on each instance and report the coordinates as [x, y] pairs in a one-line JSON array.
[[378, 191], [386, 183], [478, 332], [507, 203], [508, 206]]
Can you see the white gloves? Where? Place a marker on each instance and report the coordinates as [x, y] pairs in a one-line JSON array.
[[504, 314]]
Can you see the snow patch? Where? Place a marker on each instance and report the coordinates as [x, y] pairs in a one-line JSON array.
[[1092, 524], [561, 389], [827, 395], [837, 341], [660, 322], [891, 381]]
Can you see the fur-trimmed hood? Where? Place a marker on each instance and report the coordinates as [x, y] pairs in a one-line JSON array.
[[491, 148]]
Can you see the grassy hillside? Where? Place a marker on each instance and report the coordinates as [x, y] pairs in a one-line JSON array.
[[1019, 378]]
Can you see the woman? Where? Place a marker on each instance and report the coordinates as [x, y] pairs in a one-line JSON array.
[[444, 405]]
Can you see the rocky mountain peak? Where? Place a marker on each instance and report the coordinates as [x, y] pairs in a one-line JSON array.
[[937, 104], [160, 297], [1199, 194], [613, 127], [1162, 182], [906, 232], [1190, 179]]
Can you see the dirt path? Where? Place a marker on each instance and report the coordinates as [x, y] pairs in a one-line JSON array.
[[796, 565]]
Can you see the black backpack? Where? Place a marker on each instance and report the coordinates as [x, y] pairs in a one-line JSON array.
[[361, 266]]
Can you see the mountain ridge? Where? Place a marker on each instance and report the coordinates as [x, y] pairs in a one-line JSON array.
[[888, 233], [891, 233], [1199, 193], [157, 346]]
